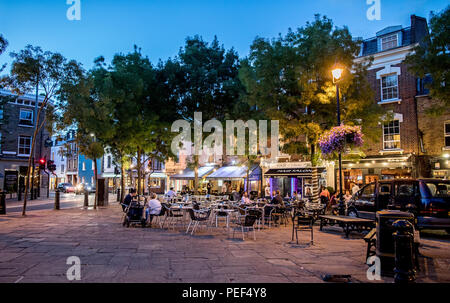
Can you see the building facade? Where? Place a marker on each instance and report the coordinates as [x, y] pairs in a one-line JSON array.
[[396, 152], [17, 118], [58, 156]]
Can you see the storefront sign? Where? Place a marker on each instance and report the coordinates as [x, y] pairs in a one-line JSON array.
[[289, 172]]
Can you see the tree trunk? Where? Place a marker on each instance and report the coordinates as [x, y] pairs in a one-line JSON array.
[[195, 175], [139, 171], [122, 181], [96, 184], [248, 182], [27, 180]]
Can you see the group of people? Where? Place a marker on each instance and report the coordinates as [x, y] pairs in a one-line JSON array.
[[331, 200], [153, 205]]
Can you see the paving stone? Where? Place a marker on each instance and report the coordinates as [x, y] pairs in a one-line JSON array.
[[35, 249]]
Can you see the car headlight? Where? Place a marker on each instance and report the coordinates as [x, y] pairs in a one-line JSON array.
[[79, 186], [88, 188]]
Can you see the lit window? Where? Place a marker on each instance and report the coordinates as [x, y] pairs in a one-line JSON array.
[[24, 146], [389, 42], [84, 165], [389, 87], [391, 135], [447, 134], [26, 117]]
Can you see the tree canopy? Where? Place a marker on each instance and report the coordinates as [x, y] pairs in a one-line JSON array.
[[289, 79], [432, 57]]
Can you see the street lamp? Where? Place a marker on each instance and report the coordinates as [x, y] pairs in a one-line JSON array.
[[337, 75]]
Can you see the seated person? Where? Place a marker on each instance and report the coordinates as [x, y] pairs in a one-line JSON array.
[[153, 208], [245, 199], [277, 199], [128, 198]]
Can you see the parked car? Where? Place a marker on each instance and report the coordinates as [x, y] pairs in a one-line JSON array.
[[82, 187], [427, 199], [66, 187]]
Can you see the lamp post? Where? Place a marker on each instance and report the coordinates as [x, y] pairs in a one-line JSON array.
[[337, 75]]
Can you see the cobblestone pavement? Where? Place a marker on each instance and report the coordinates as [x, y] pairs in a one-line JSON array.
[[35, 249]]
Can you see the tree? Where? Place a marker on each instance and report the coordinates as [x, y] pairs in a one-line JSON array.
[[208, 83], [3, 45], [35, 69], [142, 109], [432, 57], [289, 78]]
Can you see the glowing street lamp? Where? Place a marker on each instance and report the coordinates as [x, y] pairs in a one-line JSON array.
[[337, 75]]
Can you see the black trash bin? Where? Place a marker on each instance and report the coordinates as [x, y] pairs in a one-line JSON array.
[[2, 203], [385, 240]]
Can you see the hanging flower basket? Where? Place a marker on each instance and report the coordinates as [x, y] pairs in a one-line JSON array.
[[339, 139]]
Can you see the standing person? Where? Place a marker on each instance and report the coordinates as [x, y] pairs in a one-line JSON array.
[[325, 193], [128, 198], [224, 188], [355, 188], [208, 188], [153, 208], [171, 193], [267, 192]]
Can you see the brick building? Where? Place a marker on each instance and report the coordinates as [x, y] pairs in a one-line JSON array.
[[396, 153], [16, 131], [434, 135]]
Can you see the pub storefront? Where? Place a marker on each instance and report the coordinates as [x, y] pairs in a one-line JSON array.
[[365, 171], [294, 179]]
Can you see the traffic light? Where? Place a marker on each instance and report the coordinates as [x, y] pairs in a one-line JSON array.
[[51, 165], [42, 163]]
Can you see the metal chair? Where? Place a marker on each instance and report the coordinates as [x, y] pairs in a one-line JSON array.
[[197, 217], [245, 223], [302, 222]]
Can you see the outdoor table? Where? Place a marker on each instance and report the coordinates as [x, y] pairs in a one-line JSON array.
[[347, 223]]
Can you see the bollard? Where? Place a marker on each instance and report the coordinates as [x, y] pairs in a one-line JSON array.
[[403, 242], [2, 203], [86, 198], [57, 199], [118, 195]]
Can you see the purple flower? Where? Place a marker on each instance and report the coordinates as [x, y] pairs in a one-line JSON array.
[[338, 138]]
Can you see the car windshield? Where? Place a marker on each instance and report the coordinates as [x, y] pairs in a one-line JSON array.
[[439, 189]]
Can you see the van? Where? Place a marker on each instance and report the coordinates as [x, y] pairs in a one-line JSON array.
[[427, 199]]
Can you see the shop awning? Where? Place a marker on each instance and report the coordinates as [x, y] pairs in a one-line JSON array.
[[229, 173], [234, 173], [158, 175], [305, 172], [189, 174]]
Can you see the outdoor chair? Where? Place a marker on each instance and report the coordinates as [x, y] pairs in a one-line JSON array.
[[161, 214], [197, 217], [279, 215], [258, 213], [302, 222], [220, 214], [246, 223], [268, 210], [172, 216]]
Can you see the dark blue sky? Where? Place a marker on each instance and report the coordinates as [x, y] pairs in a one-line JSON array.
[[160, 27]]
